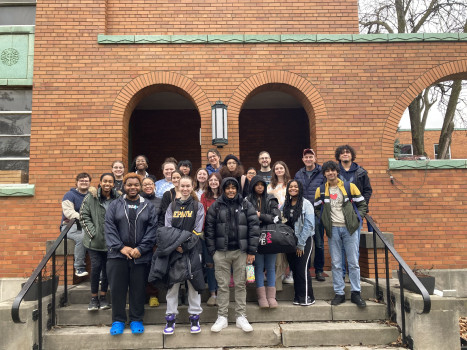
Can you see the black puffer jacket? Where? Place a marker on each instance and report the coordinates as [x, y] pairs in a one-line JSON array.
[[269, 207], [170, 266], [218, 221]]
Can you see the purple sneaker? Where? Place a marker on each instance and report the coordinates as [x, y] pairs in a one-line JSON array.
[[194, 321], [170, 325]]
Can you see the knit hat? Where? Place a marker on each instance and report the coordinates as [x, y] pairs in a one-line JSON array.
[[231, 156]]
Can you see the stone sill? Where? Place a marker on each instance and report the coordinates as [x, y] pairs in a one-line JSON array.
[[17, 29], [428, 164], [17, 190], [278, 38]]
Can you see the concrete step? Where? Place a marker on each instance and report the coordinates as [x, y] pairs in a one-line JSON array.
[[304, 334], [78, 315], [80, 294], [337, 333], [71, 338]]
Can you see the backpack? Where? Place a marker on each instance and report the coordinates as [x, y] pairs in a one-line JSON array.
[[322, 190]]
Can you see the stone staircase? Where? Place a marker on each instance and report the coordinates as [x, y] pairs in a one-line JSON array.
[[288, 325]]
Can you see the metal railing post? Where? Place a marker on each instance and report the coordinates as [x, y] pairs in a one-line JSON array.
[[401, 283], [388, 289]]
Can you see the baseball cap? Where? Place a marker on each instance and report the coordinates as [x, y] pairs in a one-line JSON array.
[[308, 150]]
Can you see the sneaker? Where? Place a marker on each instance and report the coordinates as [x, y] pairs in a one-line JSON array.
[[81, 272], [212, 301], [94, 304], [170, 325], [357, 299], [220, 324], [296, 301], [153, 301], [338, 299], [320, 277], [243, 323], [195, 327], [104, 305], [308, 302], [288, 279]]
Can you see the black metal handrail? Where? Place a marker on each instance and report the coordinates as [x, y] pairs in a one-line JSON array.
[[37, 274], [402, 267]]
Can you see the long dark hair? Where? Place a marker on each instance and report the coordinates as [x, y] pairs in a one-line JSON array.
[[288, 202], [274, 178]]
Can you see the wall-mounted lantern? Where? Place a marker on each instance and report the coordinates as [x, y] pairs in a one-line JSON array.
[[219, 124]]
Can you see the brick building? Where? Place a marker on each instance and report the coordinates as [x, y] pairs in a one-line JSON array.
[[112, 80], [458, 148]]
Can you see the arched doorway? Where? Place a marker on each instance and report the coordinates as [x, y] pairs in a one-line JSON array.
[[274, 120], [165, 123]]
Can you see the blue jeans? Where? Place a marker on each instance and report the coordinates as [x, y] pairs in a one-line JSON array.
[[343, 251], [209, 271], [341, 238], [319, 246], [80, 252], [265, 262]]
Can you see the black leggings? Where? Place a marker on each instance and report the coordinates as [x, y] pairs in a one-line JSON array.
[[98, 265]]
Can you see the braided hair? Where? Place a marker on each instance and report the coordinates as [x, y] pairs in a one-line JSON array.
[[288, 202]]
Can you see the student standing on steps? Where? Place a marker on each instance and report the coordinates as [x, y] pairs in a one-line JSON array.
[[130, 235], [232, 233], [91, 218], [335, 208], [181, 249], [278, 187], [71, 204], [207, 199], [311, 178], [298, 212], [266, 206]]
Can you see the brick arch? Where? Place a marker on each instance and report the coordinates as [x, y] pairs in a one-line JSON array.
[[299, 87], [447, 71], [146, 84]]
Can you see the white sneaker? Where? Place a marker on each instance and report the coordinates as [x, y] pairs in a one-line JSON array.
[[220, 324], [243, 323], [288, 279]]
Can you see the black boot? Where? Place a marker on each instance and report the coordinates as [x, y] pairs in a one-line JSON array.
[[357, 299]]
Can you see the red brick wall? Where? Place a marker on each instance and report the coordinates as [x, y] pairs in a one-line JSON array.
[[231, 17], [458, 142], [84, 94]]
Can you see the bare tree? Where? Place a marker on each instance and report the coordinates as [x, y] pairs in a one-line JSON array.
[[415, 16]]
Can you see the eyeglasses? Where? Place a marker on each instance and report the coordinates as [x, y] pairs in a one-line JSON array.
[[83, 181], [118, 167]]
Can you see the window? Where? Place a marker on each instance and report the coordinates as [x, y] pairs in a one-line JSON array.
[[15, 128], [406, 150], [436, 152], [17, 12]]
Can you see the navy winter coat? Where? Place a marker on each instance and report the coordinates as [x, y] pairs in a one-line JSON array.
[[310, 184], [117, 229]]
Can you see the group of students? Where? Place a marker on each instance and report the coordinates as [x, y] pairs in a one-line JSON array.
[[139, 230]]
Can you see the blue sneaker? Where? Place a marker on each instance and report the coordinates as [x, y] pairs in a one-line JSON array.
[[195, 327]]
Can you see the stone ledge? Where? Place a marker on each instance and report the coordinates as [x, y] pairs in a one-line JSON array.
[[427, 164], [16, 190], [278, 38], [19, 29], [366, 240]]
